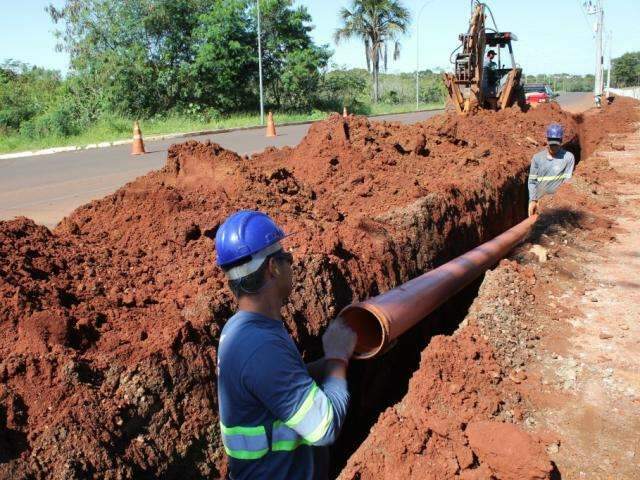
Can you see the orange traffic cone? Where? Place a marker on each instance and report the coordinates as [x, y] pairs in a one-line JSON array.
[[345, 114], [138, 144], [271, 127]]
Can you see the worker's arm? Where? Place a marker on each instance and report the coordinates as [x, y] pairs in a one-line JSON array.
[[568, 171], [533, 187], [276, 375], [316, 369]]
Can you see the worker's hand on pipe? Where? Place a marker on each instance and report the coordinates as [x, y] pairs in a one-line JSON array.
[[533, 207], [339, 341]]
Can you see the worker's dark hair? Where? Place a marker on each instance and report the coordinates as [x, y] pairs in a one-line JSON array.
[[490, 52], [253, 282]]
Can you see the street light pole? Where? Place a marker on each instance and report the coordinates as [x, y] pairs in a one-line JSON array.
[[260, 66]]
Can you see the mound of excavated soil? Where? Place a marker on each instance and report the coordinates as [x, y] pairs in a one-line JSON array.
[[439, 430], [109, 324]]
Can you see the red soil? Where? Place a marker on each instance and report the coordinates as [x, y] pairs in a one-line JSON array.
[[436, 431], [109, 324]]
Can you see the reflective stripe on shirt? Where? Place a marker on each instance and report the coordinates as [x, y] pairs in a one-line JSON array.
[[314, 417], [308, 425], [285, 439], [549, 179], [245, 443]]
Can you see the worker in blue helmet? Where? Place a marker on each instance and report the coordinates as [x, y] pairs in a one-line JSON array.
[[275, 412], [550, 167]]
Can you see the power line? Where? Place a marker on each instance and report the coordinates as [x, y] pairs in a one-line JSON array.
[[582, 8]]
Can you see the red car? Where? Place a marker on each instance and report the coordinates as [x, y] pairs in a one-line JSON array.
[[536, 93]]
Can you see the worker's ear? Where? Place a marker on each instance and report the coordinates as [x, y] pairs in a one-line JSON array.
[[273, 267]]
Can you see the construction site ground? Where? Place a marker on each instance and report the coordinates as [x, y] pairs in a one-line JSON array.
[[109, 323]]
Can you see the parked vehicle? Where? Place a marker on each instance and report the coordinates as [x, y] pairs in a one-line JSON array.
[[536, 93]]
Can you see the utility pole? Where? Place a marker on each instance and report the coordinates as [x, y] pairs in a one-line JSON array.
[[260, 66], [610, 64], [595, 8]]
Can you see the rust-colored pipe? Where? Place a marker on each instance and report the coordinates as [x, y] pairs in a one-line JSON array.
[[380, 320]]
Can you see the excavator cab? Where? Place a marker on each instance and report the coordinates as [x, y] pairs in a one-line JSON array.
[[496, 80], [473, 84]]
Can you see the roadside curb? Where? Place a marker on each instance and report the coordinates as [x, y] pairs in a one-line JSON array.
[[167, 136]]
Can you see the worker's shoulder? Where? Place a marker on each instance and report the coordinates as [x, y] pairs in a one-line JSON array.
[[245, 332], [540, 155], [568, 155]]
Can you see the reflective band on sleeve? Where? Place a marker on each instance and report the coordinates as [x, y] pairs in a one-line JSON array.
[[314, 417], [284, 439], [551, 179], [245, 443]]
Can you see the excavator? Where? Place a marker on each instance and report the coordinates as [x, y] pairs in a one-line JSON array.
[[473, 86]]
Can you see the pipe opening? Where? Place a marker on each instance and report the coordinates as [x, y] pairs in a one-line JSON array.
[[368, 328]]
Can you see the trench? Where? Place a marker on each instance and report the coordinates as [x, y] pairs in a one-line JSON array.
[[382, 382]]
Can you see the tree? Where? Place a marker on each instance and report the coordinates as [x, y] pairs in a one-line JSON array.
[[148, 57], [377, 23], [291, 61], [133, 51], [225, 63], [626, 69]]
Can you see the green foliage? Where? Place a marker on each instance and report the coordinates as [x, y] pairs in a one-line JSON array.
[[564, 82], [298, 84], [25, 92], [345, 88], [134, 53], [58, 122], [149, 57], [222, 74], [291, 61], [625, 71]]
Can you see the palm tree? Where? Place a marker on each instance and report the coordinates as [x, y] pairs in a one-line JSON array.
[[378, 23]]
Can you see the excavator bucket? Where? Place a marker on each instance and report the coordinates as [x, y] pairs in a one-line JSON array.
[[454, 92], [507, 97]]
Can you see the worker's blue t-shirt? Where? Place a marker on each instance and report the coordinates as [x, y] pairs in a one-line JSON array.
[[271, 410]]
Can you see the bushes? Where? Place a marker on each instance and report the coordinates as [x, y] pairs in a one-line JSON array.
[[58, 122], [25, 92]]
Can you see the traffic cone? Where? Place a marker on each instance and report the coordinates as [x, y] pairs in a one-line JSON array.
[[138, 144], [345, 114], [271, 127]]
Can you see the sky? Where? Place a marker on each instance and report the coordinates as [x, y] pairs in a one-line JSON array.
[[554, 35]]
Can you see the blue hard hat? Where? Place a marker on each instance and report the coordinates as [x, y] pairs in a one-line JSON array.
[[244, 234], [555, 130]]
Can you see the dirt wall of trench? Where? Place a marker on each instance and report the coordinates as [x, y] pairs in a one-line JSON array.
[[109, 323]]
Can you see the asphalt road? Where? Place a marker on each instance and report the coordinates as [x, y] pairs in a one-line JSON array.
[[48, 187]]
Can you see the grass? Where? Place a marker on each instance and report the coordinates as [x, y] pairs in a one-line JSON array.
[[115, 128]]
